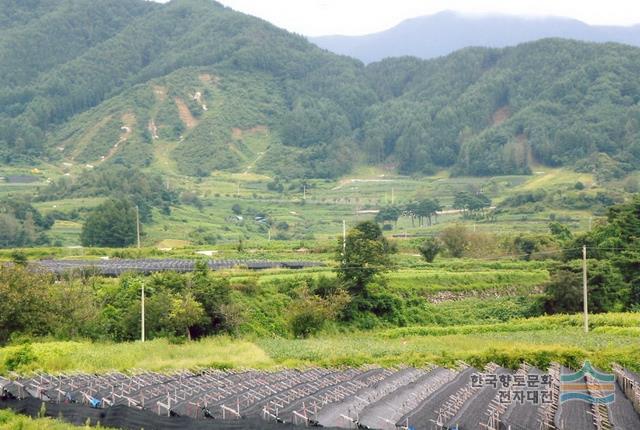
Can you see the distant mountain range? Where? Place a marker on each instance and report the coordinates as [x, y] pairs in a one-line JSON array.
[[446, 32]]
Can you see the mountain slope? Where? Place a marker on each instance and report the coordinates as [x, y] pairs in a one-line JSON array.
[[446, 32], [41, 35], [490, 111], [183, 33], [192, 87]]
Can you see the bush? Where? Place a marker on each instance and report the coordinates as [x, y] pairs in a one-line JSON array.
[[22, 356], [429, 249], [310, 313], [306, 320], [455, 240]]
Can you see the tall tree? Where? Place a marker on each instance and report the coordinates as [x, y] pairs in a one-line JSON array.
[[111, 224], [365, 255]]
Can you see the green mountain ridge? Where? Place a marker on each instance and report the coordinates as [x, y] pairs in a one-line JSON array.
[[194, 87]]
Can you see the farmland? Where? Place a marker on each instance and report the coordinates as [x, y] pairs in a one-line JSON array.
[[325, 205]]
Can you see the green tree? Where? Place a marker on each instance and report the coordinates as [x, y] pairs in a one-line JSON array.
[[607, 290], [366, 255], [429, 249], [560, 231], [26, 304], [388, 213], [185, 313], [526, 246], [427, 208], [111, 224], [214, 293]]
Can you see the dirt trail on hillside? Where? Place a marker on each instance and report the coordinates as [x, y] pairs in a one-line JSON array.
[[185, 114], [153, 129], [128, 120], [500, 116], [255, 162]]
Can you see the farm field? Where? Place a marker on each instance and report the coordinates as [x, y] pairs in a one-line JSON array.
[[314, 209]]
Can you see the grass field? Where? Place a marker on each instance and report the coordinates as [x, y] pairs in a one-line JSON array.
[[538, 341]]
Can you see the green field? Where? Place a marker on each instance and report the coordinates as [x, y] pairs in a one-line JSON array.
[[538, 341], [319, 216]]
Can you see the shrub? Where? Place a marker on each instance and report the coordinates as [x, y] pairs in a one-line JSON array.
[[429, 249], [455, 240], [310, 313], [22, 356]]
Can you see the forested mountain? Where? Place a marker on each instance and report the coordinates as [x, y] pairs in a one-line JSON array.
[[445, 32], [193, 86], [494, 111]]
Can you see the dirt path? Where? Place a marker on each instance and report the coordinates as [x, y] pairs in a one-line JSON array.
[[129, 120], [356, 181], [153, 129], [258, 158], [185, 114], [500, 116]]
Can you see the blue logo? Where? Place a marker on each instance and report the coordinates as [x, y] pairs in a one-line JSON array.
[[588, 385]]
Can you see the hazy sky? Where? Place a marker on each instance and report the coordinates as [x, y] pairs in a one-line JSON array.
[[321, 17], [355, 17]]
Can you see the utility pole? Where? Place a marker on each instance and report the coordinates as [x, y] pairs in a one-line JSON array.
[[138, 225], [142, 301], [304, 191], [344, 239], [584, 289]]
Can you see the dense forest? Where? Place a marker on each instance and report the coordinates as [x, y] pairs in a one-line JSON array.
[[125, 76]]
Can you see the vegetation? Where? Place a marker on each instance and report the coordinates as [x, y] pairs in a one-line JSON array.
[[236, 144], [613, 278], [145, 190], [21, 224], [429, 249], [537, 341], [111, 224], [11, 420], [362, 256], [219, 100]]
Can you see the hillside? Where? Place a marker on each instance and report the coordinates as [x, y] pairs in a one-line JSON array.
[[445, 32], [497, 111], [192, 87]]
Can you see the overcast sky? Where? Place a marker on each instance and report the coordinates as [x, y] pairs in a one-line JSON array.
[[355, 17]]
